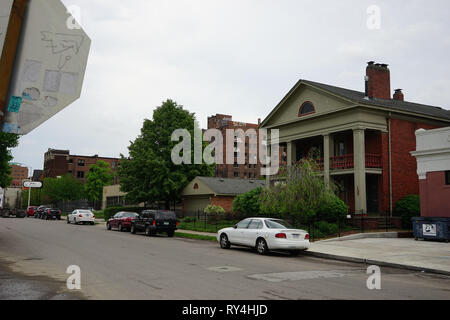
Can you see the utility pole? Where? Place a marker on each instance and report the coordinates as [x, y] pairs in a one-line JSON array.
[[9, 53]]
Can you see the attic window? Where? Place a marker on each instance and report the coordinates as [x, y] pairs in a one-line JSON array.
[[306, 109], [196, 186]]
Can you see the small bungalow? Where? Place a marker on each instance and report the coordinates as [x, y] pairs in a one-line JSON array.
[[204, 191]]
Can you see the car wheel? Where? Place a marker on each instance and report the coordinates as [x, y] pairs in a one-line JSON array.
[[120, 227], [261, 246], [224, 243], [108, 226], [68, 220], [133, 229], [170, 234], [148, 232]]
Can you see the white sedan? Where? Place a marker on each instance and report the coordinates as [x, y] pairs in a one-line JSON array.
[[264, 234], [81, 216]]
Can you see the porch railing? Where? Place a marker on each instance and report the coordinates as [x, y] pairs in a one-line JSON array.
[[347, 162]]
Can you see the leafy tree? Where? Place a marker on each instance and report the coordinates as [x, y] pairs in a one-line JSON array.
[[64, 188], [248, 204], [7, 142], [99, 175], [149, 174], [299, 194]]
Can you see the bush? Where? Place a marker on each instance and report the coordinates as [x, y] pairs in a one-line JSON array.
[[323, 228], [331, 208], [215, 213], [407, 208], [248, 204], [109, 212], [189, 219]]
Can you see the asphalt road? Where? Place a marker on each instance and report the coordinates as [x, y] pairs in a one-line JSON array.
[[124, 266]]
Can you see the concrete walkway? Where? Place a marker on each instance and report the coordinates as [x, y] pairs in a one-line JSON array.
[[382, 249]]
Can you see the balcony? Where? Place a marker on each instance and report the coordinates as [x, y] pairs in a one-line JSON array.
[[373, 161]]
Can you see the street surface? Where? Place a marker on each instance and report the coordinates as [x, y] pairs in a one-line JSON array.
[[124, 266]]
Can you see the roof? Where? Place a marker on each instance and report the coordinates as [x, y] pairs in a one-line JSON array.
[[360, 98], [231, 186], [395, 105]]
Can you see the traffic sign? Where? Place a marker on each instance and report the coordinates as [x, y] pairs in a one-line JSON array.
[[32, 184], [49, 68]]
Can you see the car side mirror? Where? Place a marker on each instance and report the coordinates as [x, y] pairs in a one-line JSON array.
[[235, 226]]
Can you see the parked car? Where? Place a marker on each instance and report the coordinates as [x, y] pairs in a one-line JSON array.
[[49, 214], [153, 222], [81, 216], [264, 234], [39, 212], [30, 211], [121, 221]]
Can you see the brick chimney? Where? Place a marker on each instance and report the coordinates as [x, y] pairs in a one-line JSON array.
[[378, 81], [398, 95]]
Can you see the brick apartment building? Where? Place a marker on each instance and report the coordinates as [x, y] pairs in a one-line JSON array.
[[61, 162], [18, 174], [243, 171], [362, 140]]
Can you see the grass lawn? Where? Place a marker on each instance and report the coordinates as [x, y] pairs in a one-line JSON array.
[[195, 236], [201, 227]]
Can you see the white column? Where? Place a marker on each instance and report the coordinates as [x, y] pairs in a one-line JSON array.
[[360, 171], [291, 153]]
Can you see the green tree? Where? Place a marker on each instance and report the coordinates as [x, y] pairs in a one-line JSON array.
[[7, 142], [64, 188], [149, 175], [299, 194], [99, 175], [248, 204]]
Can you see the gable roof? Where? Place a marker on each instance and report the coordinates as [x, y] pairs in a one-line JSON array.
[[231, 187], [359, 98]]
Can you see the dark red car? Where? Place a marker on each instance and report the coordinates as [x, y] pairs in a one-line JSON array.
[[121, 221], [31, 211]]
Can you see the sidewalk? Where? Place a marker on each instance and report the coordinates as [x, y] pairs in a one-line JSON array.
[[382, 249]]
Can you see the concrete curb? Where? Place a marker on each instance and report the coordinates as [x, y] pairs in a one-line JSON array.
[[372, 235], [374, 262]]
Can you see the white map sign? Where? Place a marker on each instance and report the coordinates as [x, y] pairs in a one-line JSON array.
[[50, 66], [5, 11]]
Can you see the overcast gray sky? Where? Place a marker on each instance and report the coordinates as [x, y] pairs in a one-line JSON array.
[[235, 57]]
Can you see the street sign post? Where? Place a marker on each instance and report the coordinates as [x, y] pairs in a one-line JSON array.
[[32, 184], [49, 68]]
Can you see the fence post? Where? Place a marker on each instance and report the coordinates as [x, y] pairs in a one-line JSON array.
[[205, 220], [339, 225]]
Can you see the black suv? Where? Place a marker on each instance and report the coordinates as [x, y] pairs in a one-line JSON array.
[[49, 213], [155, 221]]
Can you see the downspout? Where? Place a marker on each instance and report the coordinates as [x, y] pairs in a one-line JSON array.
[[390, 166]]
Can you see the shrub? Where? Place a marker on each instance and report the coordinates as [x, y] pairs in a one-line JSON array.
[[331, 208], [248, 204], [407, 208], [214, 213], [325, 228], [109, 212]]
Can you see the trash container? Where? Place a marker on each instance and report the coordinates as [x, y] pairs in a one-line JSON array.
[[431, 228]]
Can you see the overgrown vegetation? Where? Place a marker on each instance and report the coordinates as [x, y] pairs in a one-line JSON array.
[[248, 204], [99, 175], [407, 208]]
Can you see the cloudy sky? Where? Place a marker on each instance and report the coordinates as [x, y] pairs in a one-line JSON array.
[[238, 57]]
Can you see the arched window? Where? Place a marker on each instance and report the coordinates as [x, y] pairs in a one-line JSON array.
[[306, 108], [196, 186]]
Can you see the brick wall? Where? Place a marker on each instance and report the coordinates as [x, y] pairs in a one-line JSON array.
[[404, 166], [434, 195], [223, 201]]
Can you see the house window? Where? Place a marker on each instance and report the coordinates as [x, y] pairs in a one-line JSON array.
[[196, 186], [81, 163], [306, 108], [236, 174], [80, 174], [447, 178]]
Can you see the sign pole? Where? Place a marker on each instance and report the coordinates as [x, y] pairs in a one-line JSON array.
[[9, 52]]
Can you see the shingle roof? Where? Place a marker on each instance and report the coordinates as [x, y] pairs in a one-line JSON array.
[[395, 105], [231, 186]]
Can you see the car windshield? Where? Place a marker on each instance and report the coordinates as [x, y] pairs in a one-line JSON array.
[[278, 224], [84, 211], [130, 214], [166, 215]]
